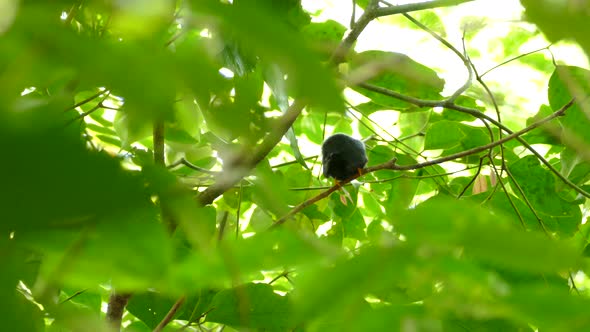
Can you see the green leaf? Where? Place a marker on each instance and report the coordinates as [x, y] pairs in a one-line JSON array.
[[540, 136], [515, 39], [129, 130], [371, 270], [110, 140], [324, 36], [400, 195], [85, 299], [275, 78], [428, 18], [404, 76], [263, 251], [269, 190], [412, 124], [265, 309], [369, 108], [453, 137], [22, 314], [327, 32], [101, 129], [453, 115], [260, 220], [538, 184], [149, 307], [483, 236], [548, 307], [444, 135], [250, 23], [564, 84], [176, 135], [560, 20]]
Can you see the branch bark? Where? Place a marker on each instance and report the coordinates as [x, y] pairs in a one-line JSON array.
[[412, 7], [245, 161], [393, 166], [478, 114], [170, 315], [117, 303]]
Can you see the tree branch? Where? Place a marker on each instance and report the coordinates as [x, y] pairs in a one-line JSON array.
[[392, 163], [243, 163], [117, 303], [460, 55], [183, 161], [358, 27], [478, 114], [170, 315], [412, 7], [87, 100], [505, 139], [387, 165]]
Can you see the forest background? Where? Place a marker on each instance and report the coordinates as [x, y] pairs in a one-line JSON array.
[[161, 169]]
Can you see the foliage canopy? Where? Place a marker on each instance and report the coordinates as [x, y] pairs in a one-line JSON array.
[[159, 170]]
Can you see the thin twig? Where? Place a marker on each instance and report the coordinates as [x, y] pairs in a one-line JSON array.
[[478, 114], [465, 153], [238, 211], [514, 58], [72, 13], [393, 166], [90, 111], [527, 202], [510, 201], [387, 165], [464, 59], [170, 315], [287, 163], [283, 274], [73, 296], [183, 161], [222, 225], [473, 178], [87, 100], [412, 7], [353, 15], [242, 163]]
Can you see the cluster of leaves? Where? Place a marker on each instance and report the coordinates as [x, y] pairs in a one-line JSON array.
[[119, 118]]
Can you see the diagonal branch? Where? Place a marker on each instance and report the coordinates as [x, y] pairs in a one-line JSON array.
[[170, 315], [242, 164], [412, 7], [393, 166], [463, 58], [478, 114]]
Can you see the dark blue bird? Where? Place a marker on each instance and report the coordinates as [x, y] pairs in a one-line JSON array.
[[343, 156]]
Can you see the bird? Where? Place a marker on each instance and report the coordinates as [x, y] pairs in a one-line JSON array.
[[343, 157]]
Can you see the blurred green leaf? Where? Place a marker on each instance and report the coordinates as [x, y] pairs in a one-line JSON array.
[[560, 20], [149, 307], [538, 184], [403, 75], [453, 137], [483, 236], [86, 210], [265, 309], [275, 78], [307, 77]]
